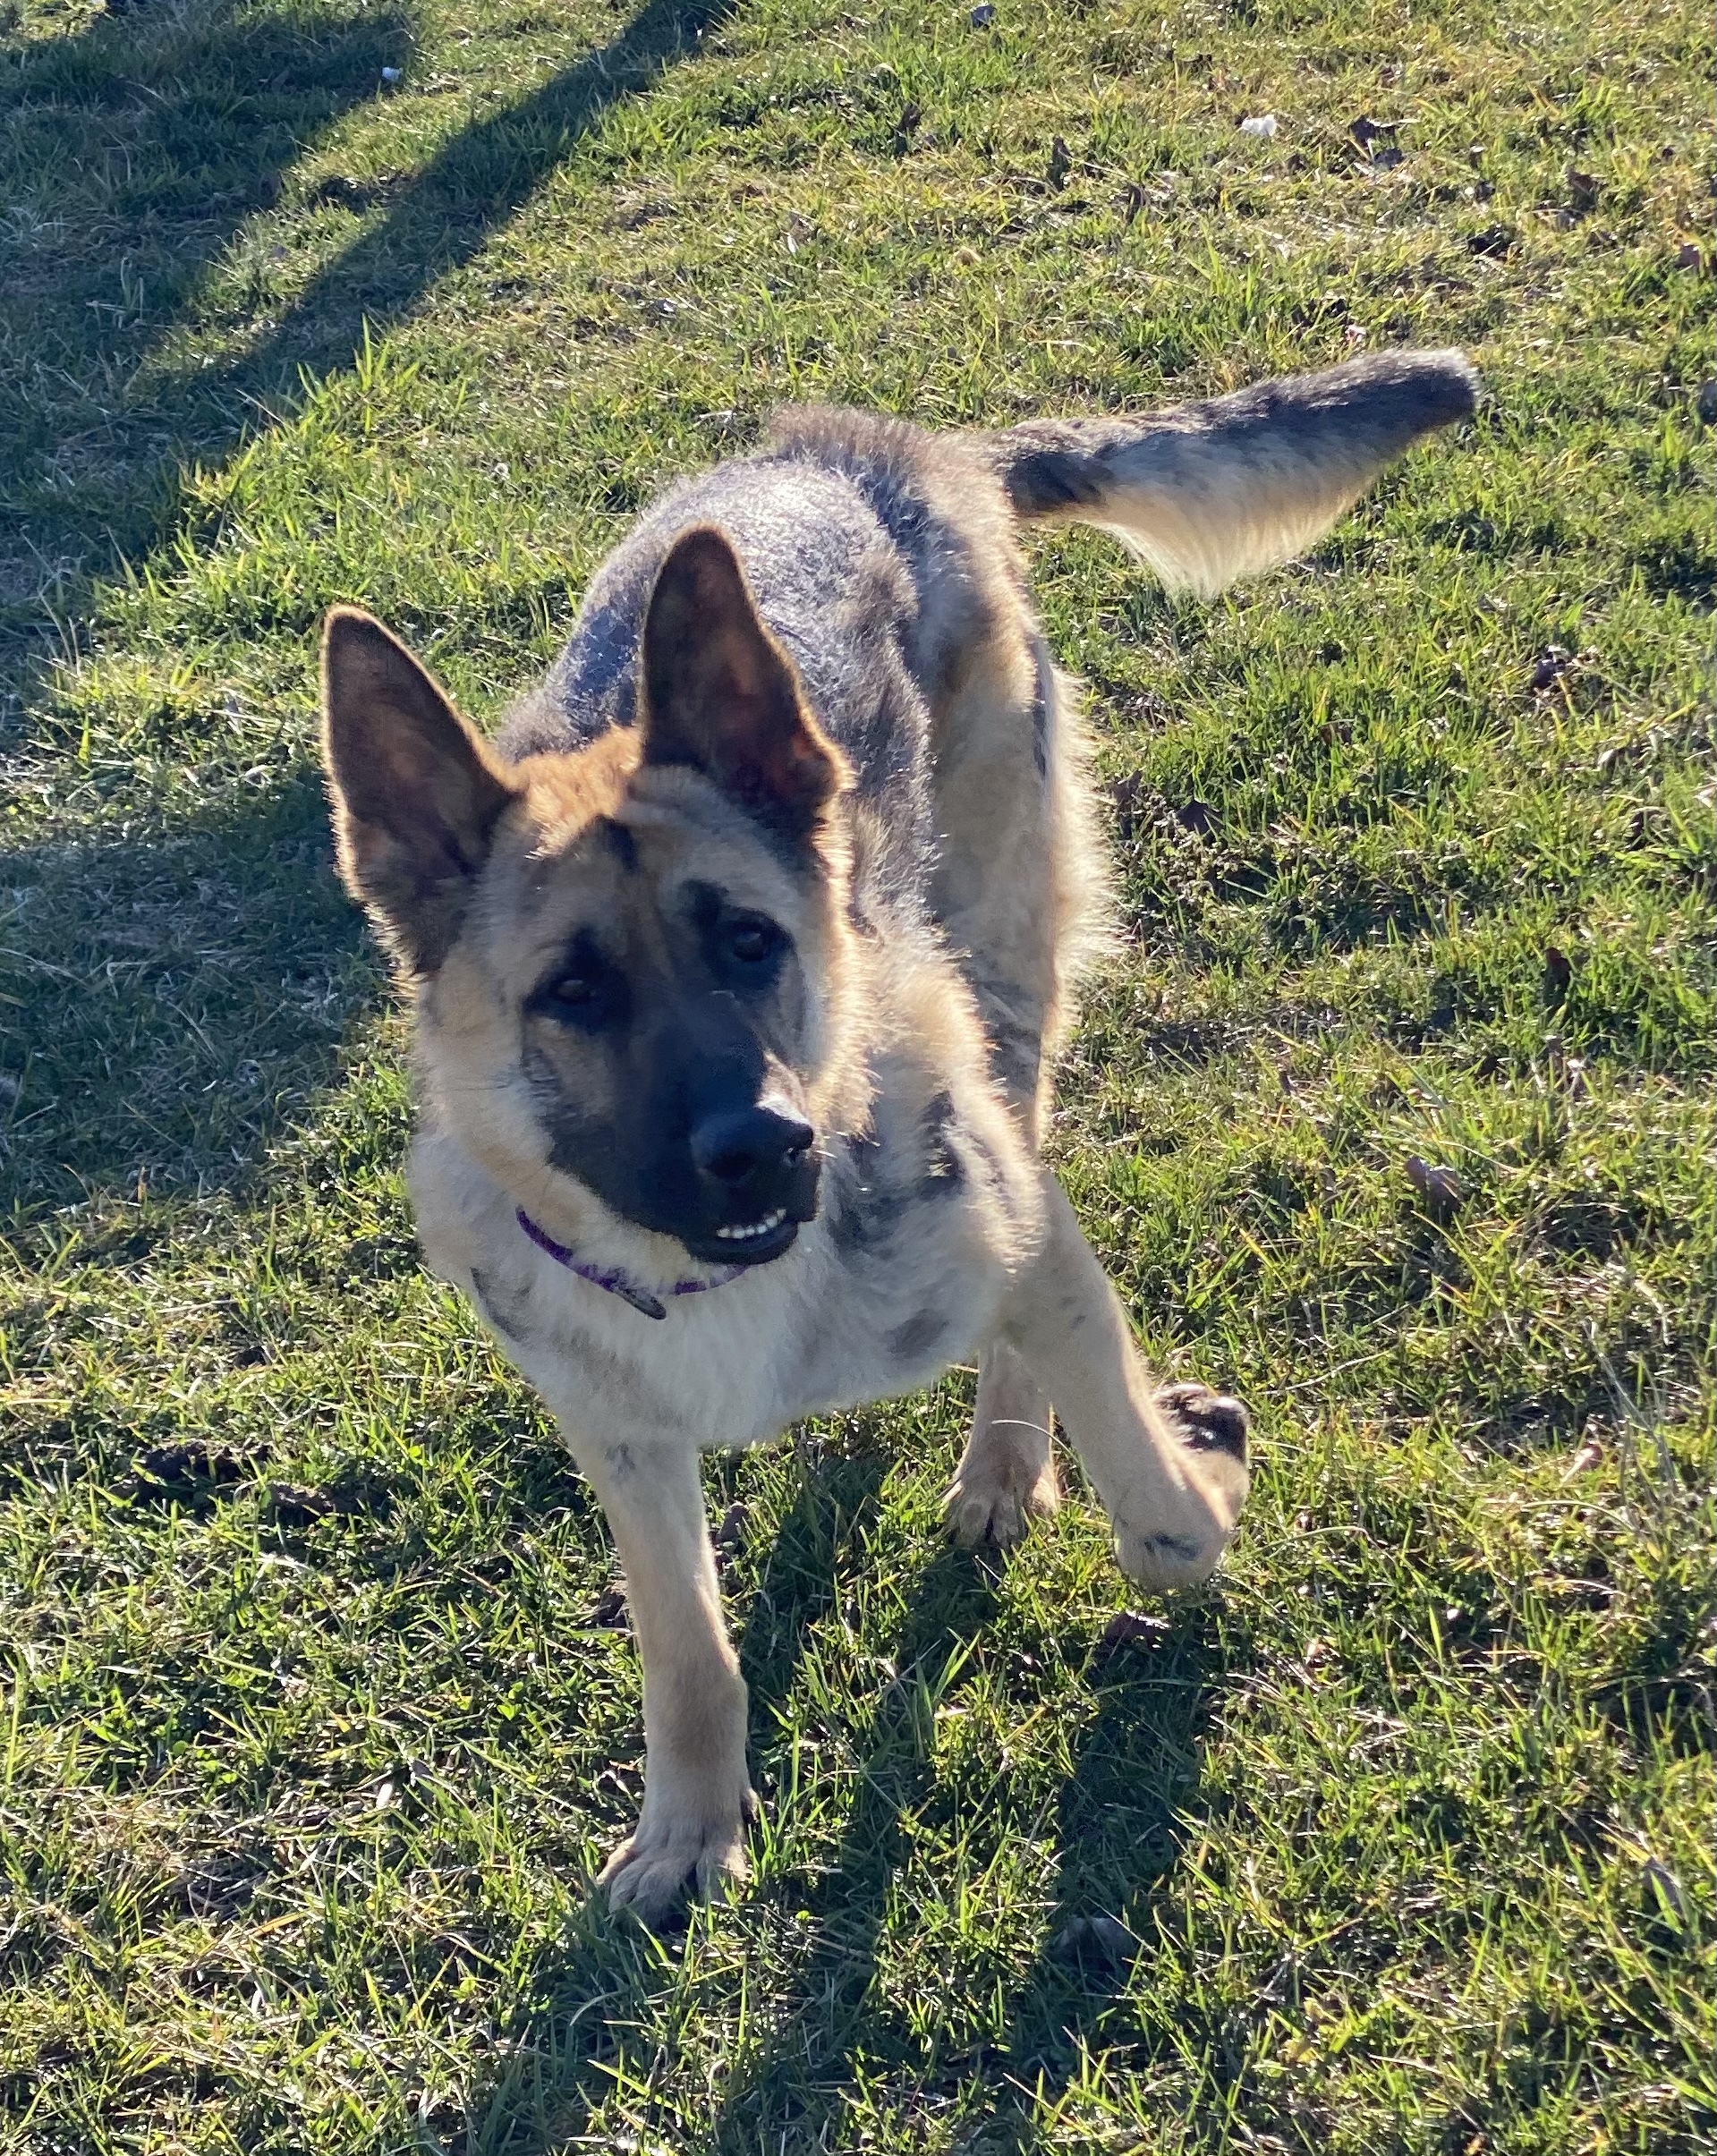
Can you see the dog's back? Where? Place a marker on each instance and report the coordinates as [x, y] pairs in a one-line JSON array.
[[881, 558], [852, 545]]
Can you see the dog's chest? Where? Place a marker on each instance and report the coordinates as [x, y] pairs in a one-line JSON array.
[[898, 1276]]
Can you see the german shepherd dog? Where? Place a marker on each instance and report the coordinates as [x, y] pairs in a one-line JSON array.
[[739, 957]]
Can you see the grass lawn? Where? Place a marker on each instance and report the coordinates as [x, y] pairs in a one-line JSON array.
[[317, 1710]]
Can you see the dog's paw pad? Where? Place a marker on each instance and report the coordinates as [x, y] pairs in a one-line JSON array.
[[1209, 1421]]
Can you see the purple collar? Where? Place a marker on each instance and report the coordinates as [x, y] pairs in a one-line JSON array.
[[620, 1283]]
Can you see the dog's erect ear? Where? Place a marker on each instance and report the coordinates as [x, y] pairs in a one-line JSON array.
[[416, 792], [717, 691]]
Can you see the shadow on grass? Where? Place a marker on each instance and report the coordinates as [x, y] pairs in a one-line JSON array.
[[1121, 1829], [223, 99], [441, 216], [136, 151], [836, 2040], [832, 2023], [170, 996], [171, 999], [607, 1973]]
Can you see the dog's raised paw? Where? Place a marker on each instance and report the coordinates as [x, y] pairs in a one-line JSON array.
[[1174, 1537], [1165, 1559], [1209, 1421]]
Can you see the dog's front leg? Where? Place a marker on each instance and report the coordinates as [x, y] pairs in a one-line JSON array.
[[1169, 1467], [1006, 1472], [697, 1793]]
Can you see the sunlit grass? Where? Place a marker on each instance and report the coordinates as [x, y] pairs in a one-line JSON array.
[[317, 1718]]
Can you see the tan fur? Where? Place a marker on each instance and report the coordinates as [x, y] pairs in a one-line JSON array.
[[907, 1025], [1007, 1474], [920, 1053]]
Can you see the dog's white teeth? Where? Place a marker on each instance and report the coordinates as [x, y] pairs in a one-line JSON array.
[[765, 1227]]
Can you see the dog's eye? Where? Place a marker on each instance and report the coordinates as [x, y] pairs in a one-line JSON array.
[[591, 994], [592, 1002], [753, 941]]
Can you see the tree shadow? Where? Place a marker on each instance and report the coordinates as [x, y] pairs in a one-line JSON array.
[[134, 152], [222, 100], [170, 996], [441, 216]]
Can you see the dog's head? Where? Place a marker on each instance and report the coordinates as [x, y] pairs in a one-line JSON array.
[[631, 960]]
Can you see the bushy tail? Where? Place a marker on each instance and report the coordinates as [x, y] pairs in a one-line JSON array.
[[1207, 492]]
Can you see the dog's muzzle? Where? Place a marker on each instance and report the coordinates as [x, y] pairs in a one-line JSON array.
[[757, 1172]]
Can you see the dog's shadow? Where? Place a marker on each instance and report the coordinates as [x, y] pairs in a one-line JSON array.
[[1121, 1828], [1117, 1829], [834, 2037]]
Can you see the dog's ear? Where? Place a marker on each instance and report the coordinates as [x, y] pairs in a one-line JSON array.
[[717, 691], [416, 792]]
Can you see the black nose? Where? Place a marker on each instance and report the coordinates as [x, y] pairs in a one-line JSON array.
[[744, 1149]]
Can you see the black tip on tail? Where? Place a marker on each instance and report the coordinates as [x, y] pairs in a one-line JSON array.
[[1417, 391]]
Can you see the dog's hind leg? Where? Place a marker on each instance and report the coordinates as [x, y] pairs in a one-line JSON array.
[[1006, 1472], [1022, 895], [1170, 1468], [697, 1793]]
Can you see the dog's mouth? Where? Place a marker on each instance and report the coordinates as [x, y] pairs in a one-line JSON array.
[[748, 1242], [762, 1228]]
